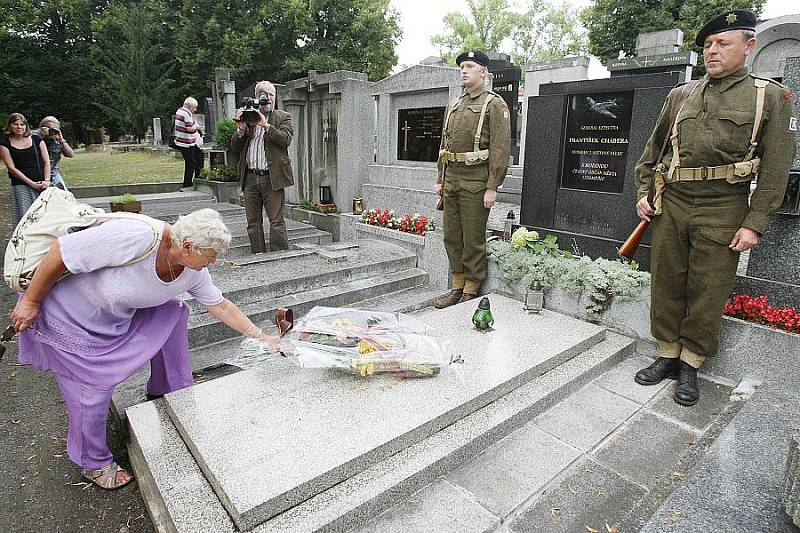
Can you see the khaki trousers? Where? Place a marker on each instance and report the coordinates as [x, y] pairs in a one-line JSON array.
[[465, 231], [692, 271], [258, 195]]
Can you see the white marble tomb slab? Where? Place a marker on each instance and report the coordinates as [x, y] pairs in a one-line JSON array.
[[269, 438]]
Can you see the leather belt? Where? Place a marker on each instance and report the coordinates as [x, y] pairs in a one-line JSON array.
[[258, 172]]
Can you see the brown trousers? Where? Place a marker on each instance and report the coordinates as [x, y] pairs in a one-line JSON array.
[[259, 195], [693, 268]]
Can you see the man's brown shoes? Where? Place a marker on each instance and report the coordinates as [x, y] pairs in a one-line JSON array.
[[467, 297], [446, 300]]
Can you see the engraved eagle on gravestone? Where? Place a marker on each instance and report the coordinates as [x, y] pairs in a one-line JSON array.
[[602, 108]]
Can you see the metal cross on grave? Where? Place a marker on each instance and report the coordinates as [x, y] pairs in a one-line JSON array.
[[405, 129]]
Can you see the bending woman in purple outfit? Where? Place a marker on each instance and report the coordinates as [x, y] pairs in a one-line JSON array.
[[97, 327]]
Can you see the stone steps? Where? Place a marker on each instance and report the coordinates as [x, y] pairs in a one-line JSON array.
[[603, 459], [306, 235], [158, 451], [204, 329], [253, 283]]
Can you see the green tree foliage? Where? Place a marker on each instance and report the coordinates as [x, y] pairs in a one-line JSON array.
[[45, 62], [59, 56], [485, 27], [334, 36], [135, 73], [545, 32], [613, 25]]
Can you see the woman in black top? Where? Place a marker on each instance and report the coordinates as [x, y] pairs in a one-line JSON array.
[[27, 161]]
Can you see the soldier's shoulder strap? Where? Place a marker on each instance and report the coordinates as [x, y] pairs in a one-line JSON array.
[[761, 85], [761, 80], [489, 98], [449, 110]]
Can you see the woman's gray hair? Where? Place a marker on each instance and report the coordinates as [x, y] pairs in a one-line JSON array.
[[48, 119], [204, 229], [190, 102]]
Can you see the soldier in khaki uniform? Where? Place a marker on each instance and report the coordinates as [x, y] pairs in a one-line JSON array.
[[726, 129], [473, 159]]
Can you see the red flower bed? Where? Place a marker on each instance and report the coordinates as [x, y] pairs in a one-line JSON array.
[[410, 224], [757, 310]]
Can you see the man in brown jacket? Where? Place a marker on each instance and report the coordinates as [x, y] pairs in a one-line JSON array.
[[264, 169], [731, 126]]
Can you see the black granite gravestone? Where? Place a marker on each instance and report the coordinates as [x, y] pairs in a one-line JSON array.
[[617, 115], [419, 133], [596, 141], [506, 84]]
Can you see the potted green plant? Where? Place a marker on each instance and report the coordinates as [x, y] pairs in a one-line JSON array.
[[127, 202], [222, 143]]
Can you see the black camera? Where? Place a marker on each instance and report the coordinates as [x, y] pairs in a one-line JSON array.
[[250, 106], [49, 132]]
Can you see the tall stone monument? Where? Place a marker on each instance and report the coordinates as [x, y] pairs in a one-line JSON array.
[[333, 117], [223, 94], [777, 40], [410, 112], [582, 142]]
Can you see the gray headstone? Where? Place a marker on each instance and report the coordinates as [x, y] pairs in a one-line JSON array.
[[397, 181], [333, 116], [777, 40], [157, 139], [211, 112], [791, 78], [659, 42]]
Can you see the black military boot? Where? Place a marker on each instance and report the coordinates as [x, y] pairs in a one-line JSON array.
[[451, 298], [663, 367], [687, 391]]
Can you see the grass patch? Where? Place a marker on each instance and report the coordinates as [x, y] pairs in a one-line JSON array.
[[103, 168], [100, 168]]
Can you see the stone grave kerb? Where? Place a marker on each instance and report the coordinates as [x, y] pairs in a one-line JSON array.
[[416, 86], [344, 98]]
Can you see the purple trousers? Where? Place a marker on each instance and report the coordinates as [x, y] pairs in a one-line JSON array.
[[161, 338]]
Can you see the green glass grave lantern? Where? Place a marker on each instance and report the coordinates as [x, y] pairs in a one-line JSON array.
[[483, 319]]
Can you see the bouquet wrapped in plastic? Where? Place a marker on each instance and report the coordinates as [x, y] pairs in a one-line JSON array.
[[366, 343]]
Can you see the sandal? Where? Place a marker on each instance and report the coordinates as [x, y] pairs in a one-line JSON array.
[[106, 477]]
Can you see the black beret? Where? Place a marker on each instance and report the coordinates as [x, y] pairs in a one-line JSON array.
[[735, 19], [473, 55]]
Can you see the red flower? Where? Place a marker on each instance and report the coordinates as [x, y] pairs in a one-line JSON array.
[[757, 310]]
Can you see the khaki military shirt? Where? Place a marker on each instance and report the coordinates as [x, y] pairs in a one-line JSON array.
[[459, 137], [714, 128]]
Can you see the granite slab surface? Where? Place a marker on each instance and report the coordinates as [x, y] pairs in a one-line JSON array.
[[270, 438], [738, 485], [442, 504]]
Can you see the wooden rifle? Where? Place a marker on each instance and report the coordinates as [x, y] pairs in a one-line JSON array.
[[631, 244]]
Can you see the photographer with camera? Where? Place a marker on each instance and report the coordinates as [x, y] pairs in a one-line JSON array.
[[186, 141], [260, 145], [57, 145]]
